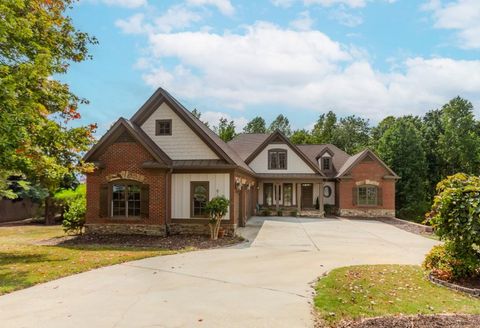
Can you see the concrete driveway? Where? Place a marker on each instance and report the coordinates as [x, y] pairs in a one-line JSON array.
[[264, 283]]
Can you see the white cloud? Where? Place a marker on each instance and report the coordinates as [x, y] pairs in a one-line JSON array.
[[282, 3], [175, 18], [214, 117], [126, 3], [346, 18], [132, 25], [269, 66], [303, 23], [224, 6], [462, 16], [329, 3]]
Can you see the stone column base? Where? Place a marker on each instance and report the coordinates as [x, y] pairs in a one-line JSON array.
[[198, 229], [366, 212], [126, 229]]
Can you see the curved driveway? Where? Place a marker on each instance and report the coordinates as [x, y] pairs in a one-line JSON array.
[[264, 283]]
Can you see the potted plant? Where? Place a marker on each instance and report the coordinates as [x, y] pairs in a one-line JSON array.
[[221, 232]]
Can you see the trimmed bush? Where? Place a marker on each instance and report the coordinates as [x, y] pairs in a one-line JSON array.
[[455, 216], [74, 216]]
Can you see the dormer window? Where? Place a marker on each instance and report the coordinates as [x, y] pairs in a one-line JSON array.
[[277, 159], [326, 163]]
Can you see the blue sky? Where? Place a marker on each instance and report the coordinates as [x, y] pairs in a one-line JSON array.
[[240, 59]]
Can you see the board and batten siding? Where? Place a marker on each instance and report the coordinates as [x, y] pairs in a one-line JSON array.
[[295, 164], [219, 185], [183, 144]]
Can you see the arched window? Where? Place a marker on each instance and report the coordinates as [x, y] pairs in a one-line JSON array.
[[367, 195]]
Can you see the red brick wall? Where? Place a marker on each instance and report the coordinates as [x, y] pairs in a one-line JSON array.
[[367, 171], [126, 156]]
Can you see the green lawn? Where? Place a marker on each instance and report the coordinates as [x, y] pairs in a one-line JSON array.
[[379, 290], [23, 264]]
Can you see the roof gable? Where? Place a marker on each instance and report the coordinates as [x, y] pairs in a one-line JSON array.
[[218, 146], [278, 137], [125, 131], [364, 156]]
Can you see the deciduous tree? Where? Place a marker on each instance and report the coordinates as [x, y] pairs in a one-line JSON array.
[[38, 43]]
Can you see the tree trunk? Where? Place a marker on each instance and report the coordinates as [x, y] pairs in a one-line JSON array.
[[49, 211]]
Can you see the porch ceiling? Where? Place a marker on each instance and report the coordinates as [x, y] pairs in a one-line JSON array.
[[290, 176]]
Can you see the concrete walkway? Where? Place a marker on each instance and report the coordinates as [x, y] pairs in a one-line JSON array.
[[264, 283]]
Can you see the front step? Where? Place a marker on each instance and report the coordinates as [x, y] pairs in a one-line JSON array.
[[312, 214]]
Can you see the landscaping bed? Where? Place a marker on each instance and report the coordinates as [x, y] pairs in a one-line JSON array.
[[174, 242], [347, 295], [417, 321]]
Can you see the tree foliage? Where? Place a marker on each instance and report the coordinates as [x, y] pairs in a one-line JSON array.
[[282, 124], [256, 125], [217, 207], [225, 129], [455, 215], [39, 42], [401, 148]]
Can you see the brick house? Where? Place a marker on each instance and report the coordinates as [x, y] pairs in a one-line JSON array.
[[155, 172]]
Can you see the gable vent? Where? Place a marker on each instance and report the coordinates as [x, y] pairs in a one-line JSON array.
[[367, 159], [125, 137]]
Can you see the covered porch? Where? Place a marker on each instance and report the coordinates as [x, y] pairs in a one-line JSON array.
[[300, 192]]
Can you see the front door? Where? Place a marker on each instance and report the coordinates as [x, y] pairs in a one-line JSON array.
[[307, 195]]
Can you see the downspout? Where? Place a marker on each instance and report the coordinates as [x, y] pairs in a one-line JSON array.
[[168, 200]]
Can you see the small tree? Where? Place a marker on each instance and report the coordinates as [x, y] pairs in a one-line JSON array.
[[74, 216], [455, 216], [217, 208]]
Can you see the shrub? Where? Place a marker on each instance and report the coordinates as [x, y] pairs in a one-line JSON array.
[[294, 212], [74, 216], [329, 209], [444, 264], [455, 216]]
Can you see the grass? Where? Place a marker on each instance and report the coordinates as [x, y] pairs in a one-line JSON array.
[[380, 290], [23, 264]]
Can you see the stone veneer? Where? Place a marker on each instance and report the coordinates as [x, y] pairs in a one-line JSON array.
[[126, 229], [198, 228], [366, 212]]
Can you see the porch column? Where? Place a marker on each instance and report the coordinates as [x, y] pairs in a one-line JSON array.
[[320, 200], [299, 197], [277, 196]]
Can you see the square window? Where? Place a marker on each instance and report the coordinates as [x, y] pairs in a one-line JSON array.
[[163, 127]]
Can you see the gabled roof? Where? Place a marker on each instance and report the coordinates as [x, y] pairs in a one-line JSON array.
[[217, 145], [357, 158], [246, 143], [339, 157], [277, 137], [121, 126]]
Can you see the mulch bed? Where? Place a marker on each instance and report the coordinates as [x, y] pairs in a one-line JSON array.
[[417, 321], [410, 227], [175, 242], [473, 283]]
